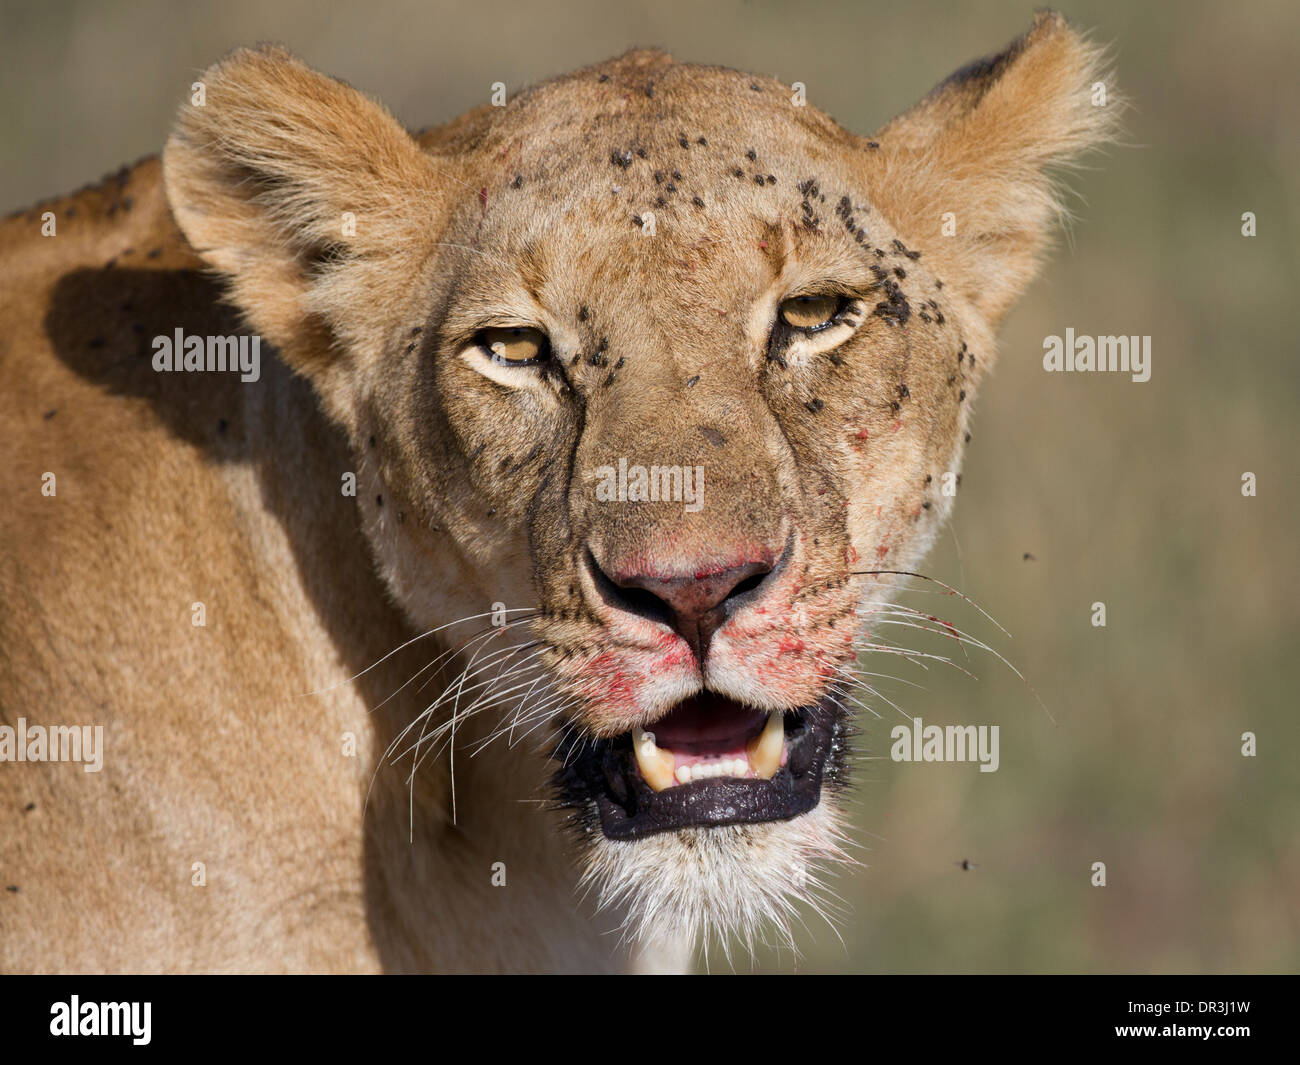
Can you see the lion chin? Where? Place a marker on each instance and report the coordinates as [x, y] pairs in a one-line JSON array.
[[740, 883]]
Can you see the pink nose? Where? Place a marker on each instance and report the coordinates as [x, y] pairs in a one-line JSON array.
[[696, 606]]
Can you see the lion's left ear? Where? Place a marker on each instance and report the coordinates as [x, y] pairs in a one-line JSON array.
[[310, 198], [966, 175]]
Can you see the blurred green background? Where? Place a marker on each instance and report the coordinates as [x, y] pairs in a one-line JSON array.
[[1124, 493]]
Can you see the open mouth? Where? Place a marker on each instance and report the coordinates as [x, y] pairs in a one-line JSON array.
[[709, 761]]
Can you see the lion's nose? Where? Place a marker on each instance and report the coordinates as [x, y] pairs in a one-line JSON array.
[[695, 604]]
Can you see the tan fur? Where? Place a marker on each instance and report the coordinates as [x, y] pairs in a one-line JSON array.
[[474, 488]]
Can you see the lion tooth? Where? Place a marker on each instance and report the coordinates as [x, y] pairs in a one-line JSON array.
[[656, 764], [683, 774], [765, 750]]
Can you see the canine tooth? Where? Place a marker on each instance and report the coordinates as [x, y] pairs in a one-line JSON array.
[[656, 764], [765, 750]]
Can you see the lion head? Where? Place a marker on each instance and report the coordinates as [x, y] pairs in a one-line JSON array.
[[671, 365]]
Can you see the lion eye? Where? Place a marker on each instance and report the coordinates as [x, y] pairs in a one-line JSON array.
[[515, 345], [811, 312]]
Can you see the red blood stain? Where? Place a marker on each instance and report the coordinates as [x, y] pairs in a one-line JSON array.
[[882, 550], [789, 646], [851, 554], [482, 198], [863, 434], [947, 625], [763, 244], [672, 663], [614, 682], [896, 426]]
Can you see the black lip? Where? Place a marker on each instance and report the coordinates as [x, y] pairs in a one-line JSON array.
[[603, 775]]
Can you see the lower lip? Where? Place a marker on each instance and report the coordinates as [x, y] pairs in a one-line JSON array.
[[630, 809]]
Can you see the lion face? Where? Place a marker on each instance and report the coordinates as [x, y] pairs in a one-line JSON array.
[[673, 368], [703, 416]]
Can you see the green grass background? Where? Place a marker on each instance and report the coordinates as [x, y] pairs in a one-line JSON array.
[[1124, 493]]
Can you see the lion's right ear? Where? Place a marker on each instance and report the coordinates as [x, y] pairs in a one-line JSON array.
[[307, 196]]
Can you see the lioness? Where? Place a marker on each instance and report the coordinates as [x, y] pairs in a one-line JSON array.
[[438, 525]]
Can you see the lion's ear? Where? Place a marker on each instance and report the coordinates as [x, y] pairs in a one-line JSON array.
[[309, 197], [967, 174]]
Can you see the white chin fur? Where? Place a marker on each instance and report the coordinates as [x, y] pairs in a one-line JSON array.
[[734, 881]]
